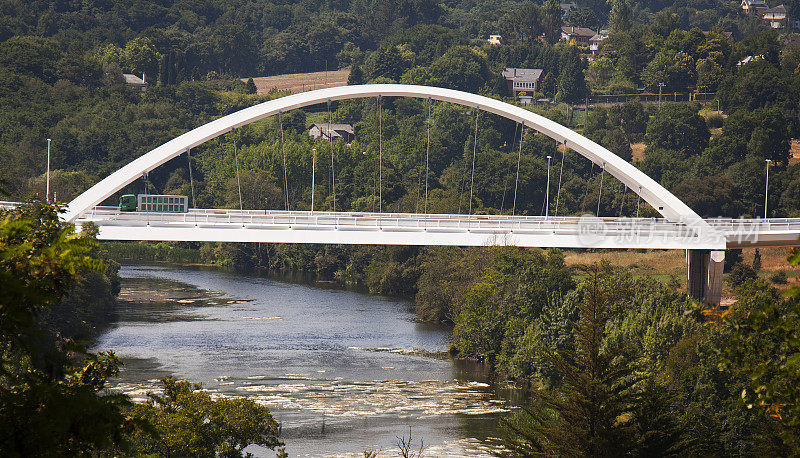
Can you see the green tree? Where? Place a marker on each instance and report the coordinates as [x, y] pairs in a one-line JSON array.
[[550, 16], [582, 17], [599, 73], [709, 75], [187, 422], [461, 68], [586, 416], [250, 86], [571, 83], [141, 56], [764, 347], [50, 400], [620, 18], [513, 288], [678, 127]]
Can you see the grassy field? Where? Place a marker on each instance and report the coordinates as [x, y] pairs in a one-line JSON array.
[[669, 266], [300, 82]]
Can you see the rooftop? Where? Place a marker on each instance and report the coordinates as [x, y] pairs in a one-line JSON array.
[[777, 9], [580, 31], [754, 3], [522, 74], [133, 80]]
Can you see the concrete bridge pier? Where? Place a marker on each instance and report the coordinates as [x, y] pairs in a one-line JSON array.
[[704, 275]]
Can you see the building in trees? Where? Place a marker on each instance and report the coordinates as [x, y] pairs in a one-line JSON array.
[[581, 35], [332, 132], [776, 17], [754, 6], [135, 81], [594, 42], [524, 81]]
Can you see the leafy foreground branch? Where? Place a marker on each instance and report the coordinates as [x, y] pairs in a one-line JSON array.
[[52, 396]]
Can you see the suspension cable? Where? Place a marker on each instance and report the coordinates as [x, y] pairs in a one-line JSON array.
[[419, 190], [638, 201], [374, 185], [586, 193], [514, 138], [519, 159], [505, 188], [427, 155], [283, 152], [474, 153], [191, 180], [560, 172], [546, 203], [236, 158], [600, 193], [330, 144], [380, 156], [622, 200]]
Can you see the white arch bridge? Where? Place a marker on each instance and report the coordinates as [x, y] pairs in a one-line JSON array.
[[679, 228]]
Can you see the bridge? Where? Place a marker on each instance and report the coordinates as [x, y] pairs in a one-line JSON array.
[[678, 228], [360, 228]]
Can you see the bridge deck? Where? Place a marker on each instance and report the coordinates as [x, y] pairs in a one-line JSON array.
[[276, 226]]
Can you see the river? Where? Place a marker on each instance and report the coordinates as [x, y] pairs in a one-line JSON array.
[[343, 372]]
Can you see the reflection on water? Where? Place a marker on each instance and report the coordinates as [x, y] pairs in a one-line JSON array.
[[341, 371]]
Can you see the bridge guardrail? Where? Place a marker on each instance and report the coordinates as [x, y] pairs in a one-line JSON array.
[[569, 225]]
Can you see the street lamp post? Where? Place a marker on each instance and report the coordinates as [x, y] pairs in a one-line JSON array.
[[47, 189], [660, 87], [313, 169], [547, 191], [766, 188]]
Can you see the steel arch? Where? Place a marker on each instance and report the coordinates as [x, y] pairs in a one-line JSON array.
[[651, 192]]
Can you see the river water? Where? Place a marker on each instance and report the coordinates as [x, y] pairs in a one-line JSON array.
[[343, 372]]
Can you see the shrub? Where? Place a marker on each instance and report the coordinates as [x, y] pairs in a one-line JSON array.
[[714, 121], [779, 278], [741, 273]]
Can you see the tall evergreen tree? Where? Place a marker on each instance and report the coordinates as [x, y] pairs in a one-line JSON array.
[[589, 415]]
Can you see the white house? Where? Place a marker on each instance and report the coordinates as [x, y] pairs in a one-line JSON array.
[[523, 80], [776, 17]]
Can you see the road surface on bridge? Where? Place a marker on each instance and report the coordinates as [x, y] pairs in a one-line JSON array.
[[276, 226]]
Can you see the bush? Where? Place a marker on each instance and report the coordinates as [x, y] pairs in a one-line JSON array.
[[779, 278], [714, 121], [740, 273]]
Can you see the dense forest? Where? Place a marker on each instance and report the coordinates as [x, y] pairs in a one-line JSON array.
[[613, 363]]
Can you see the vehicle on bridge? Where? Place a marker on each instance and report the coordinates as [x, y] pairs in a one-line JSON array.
[[153, 203]]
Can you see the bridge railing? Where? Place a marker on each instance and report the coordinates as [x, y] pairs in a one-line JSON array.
[[268, 219]]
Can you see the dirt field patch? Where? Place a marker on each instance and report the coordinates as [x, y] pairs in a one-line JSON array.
[[794, 152], [300, 82], [638, 151], [663, 261]]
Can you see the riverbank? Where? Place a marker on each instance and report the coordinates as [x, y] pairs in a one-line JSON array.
[[411, 272]]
